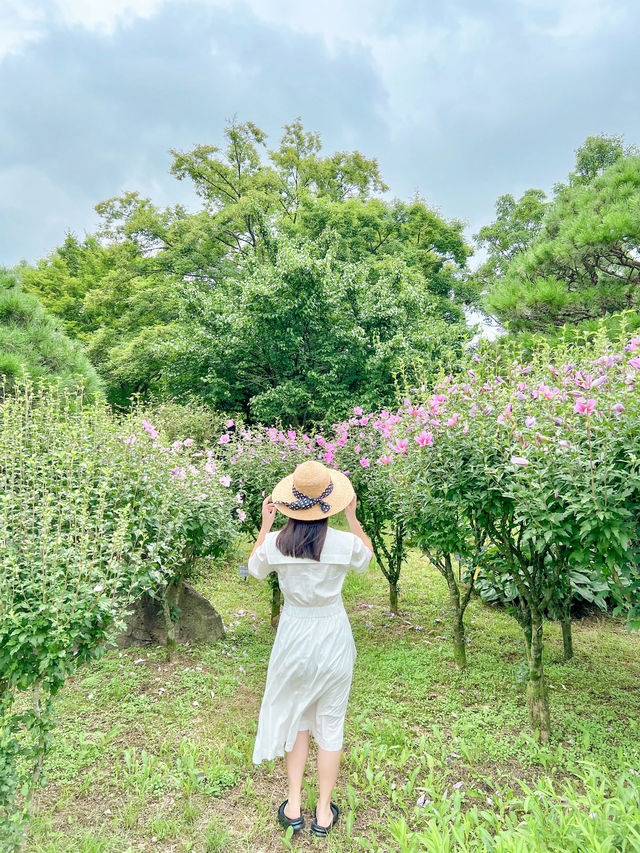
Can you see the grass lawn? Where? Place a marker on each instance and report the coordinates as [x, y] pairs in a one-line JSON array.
[[156, 756]]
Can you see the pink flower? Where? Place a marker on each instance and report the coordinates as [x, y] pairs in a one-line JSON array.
[[530, 422], [225, 481], [131, 440], [633, 344], [466, 429], [365, 462], [153, 432], [188, 442], [453, 420], [210, 467], [424, 439], [320, 440], [224, 439], [229, 423], [384, 460], [584, 407], [242, 515], [401, 445], [635, 362], [291, 434], [328, 457], [618, 408], [239, 498], [364, 421], [357, 410], [357, 448], [519, 460], [177, 445]]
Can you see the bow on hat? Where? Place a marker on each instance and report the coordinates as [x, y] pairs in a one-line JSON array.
[[304, 501]]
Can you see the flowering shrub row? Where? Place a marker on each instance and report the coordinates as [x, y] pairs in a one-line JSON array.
[[521, 473], [91, 517]]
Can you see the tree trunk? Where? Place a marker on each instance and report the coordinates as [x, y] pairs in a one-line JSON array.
[[456, 615], [567, 639], [169, 624], [537, 697], [393, 596]]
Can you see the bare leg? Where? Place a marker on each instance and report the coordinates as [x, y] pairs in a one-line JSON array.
[[328, 767], [296, 761]]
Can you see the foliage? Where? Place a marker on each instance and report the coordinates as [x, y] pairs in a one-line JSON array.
[[32, 345], [171, 304], [90, 518], [583, 262]]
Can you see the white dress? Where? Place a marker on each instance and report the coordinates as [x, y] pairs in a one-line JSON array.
[[311, 663]]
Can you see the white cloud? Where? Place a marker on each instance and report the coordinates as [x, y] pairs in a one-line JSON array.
[[25, 21], [104, 15]]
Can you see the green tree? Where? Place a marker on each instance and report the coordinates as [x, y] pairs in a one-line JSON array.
[[584, 262], [32, 345]]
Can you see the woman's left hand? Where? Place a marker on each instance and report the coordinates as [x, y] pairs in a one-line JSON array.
[[268, 513]]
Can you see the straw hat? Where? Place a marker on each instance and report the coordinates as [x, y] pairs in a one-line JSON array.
[[312, 492]]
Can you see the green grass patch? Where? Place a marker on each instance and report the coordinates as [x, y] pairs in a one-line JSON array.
[[156, 756]]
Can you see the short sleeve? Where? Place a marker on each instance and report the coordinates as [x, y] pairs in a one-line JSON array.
[[258, 564], [360, 556]]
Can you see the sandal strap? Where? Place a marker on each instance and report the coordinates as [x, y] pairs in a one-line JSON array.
[[297, 822]]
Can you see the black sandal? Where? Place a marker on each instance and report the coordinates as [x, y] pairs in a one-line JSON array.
[[323, 831], [297, 822]]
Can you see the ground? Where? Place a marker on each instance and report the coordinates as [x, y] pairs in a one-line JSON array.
[[156, 756]]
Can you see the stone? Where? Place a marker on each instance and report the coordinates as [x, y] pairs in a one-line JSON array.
[[199, 621]]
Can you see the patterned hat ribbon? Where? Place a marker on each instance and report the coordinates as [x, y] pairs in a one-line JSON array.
[[305, 502]]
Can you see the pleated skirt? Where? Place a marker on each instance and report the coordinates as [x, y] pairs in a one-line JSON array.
[[308, 680]]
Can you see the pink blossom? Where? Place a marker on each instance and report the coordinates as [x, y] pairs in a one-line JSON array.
[[153, 432], [291, 434], [384, 460], [519, 460], [131, 440], [530, 422], [210, 467], [320, 440], [466, 429], [357, 410], [584, 407], [328, 457], [633, 344], [453, 420], [357, 448], [177, 445], [364, 420], [242, 515], [424, 439], [224, 439], [564, 443], [401, 445], [618, 408], [305, 438], [188, 442], [365, 462], [229, 423], [635, 362], [239, 498], [225, 481]]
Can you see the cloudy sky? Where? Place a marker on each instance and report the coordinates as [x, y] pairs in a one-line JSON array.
[[461, 100]]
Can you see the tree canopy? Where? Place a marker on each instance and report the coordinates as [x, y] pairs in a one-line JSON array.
[[33, 347], [576, 257], [172, 303]]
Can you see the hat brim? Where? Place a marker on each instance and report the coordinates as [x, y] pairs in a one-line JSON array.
[[340, 497]]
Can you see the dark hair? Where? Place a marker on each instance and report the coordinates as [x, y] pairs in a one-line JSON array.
[[300, 538]]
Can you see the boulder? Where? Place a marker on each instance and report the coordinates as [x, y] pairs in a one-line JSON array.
[[199, 621]]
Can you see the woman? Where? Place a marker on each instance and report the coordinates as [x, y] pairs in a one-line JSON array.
[[311, 663]]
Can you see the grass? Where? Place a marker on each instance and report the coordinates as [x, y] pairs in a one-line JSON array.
[[156, 756]]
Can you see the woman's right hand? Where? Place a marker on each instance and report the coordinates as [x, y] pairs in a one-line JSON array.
[[268, 513]]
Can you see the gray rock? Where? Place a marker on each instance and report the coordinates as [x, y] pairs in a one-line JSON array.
[[199, 621]]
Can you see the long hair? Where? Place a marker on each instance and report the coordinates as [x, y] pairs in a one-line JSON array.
[[300, 538]]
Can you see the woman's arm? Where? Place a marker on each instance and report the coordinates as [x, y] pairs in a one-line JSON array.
[[268, 514], [354, 525]]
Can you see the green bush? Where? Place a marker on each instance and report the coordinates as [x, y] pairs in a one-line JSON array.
[[33, 346]]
